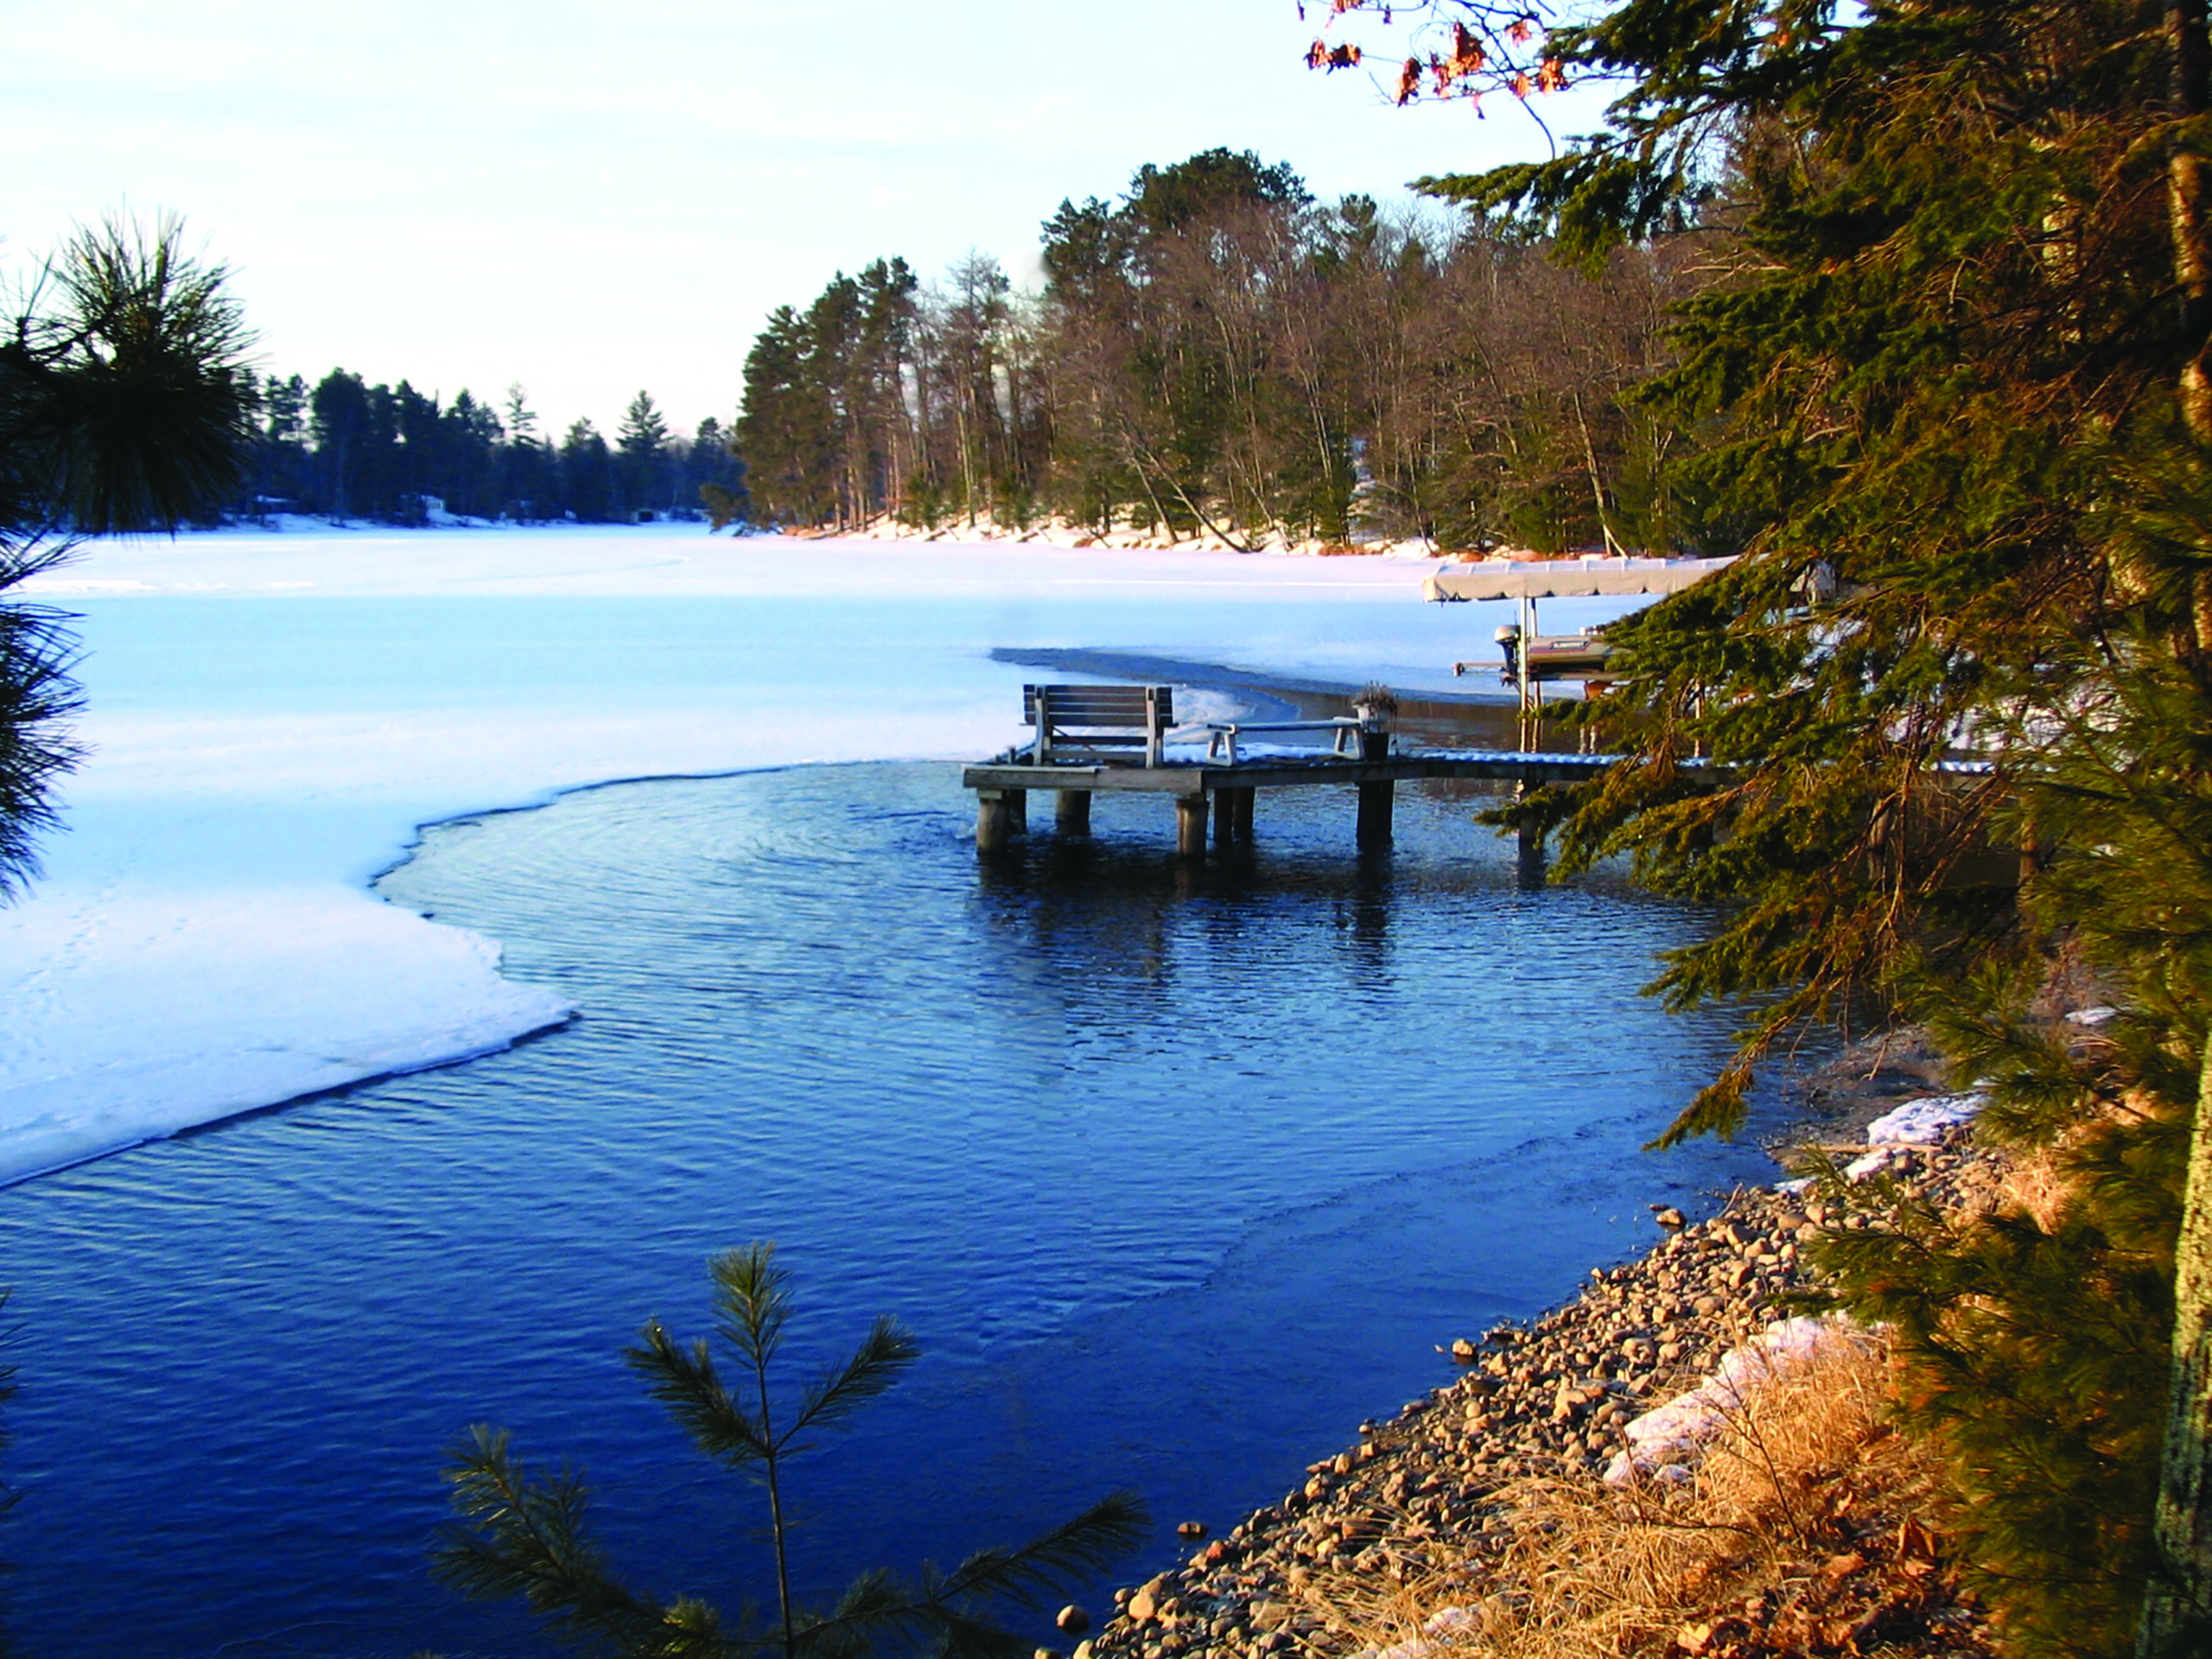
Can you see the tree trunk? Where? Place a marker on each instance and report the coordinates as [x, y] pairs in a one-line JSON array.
[[2178, 1612], [2186, 49]]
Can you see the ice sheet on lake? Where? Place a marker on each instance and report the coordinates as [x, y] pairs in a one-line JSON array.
[[204, 942]]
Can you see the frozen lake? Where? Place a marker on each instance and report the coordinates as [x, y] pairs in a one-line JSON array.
[[272, 713], [1176, 1175]]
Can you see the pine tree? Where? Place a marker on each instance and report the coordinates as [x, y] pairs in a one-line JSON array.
[[780, 426], [124, 405], [344, 434], [468, 444], [528, 1536], [1967, 332], [281, 460], [528, 487], [642, 441], [586, 472], [714, 477]]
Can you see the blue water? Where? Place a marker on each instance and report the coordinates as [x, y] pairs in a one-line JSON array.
[[1176, 1174]]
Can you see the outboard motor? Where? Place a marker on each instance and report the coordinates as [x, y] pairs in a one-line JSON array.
[[1508, 641]]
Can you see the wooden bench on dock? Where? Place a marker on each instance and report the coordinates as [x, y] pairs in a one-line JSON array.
[[1098, 725]]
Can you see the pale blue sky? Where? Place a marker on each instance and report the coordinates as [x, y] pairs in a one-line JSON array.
[[590, 198]]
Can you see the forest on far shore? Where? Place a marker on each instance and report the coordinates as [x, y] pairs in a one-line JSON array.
[[1214, 351], [1217, 352], [342, 449]]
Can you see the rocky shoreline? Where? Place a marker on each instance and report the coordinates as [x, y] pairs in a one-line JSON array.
[[1418, 1497]]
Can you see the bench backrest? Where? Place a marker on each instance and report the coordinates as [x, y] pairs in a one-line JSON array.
[[1098, 722]]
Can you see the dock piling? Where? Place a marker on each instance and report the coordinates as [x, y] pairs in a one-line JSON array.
[[1190, 825], [994, 822], [1232, 815], [1072, 816], [1528, 869], [1375, 804]]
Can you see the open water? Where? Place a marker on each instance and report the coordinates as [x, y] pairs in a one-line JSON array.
[[1176, 1175]]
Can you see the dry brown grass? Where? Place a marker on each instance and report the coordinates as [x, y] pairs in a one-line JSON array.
[[2035, 1182], [1797, 1536]]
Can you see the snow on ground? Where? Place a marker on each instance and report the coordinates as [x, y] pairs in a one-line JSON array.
[[273, 713]]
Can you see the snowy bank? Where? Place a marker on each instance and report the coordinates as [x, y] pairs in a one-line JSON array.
[[272, 715]]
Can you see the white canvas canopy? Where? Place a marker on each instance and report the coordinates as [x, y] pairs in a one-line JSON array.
[[1568, 578]]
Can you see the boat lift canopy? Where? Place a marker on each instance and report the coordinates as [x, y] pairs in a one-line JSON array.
[[1531, 660], [1567, 578]]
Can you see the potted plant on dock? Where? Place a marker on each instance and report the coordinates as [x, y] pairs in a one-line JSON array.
[[1377, 705]]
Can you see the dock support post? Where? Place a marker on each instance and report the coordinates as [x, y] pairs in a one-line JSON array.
[[994, 820], [1528, 846], [1072, 816], [1017, 810], [1375, 801], [1232, 815], [1530, 849], [1190, 825]]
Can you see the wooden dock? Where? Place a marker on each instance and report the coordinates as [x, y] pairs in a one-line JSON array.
[[1225, 795]]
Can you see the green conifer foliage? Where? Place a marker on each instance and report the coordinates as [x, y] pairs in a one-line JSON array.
[[526, 1535], [1953, 395], [124, 404]]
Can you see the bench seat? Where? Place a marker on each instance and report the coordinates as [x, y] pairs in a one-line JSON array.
[[1221, 735]]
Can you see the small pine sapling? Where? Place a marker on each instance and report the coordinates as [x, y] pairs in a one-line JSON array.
[[524, 1535]]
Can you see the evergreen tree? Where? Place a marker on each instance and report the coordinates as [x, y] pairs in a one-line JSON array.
[[528, 487], [418, 456], [468, 443], [587, 473], [1968, 320], [124, 405], [643, 441], [779, 427], [280, 458], [527, 1536], [714, 477], [345, 437]]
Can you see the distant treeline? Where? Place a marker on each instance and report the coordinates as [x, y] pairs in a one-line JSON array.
[[343, 448], [1217, 351]]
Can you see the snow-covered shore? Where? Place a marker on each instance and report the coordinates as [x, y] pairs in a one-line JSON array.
[[1061, 533], [272, 715]]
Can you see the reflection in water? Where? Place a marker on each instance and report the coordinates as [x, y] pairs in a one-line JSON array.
[[1178, 1173]]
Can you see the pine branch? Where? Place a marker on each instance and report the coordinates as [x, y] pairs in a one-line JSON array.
[[1106, 1531], [881, 1360], [752, 1300], [525, 1536], [684, 1381]]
